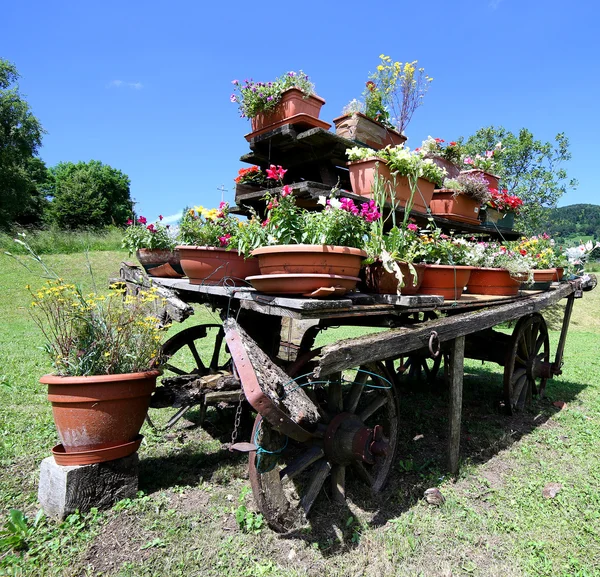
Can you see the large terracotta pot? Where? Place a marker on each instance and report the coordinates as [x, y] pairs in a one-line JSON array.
[[493, 180], [452, 171], [209, 265], [546, 275], [309, 259], [293, 104], [101, 411], [494, 281], [306, 284], [379, 281], [366, 131], [160, 263], [362, 178], [459, 207], [445, 280]]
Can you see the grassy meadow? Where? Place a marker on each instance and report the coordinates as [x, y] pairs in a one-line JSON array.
[[495, 521]]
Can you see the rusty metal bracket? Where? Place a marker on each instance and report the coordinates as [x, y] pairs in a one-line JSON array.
[[259, 401]]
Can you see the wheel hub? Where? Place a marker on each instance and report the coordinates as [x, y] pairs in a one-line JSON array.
[[347, 439]]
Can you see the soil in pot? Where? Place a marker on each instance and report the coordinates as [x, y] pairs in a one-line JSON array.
[[211, 266], [445, 280]]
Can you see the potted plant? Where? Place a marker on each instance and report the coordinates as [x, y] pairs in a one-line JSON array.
[[485, 164], [154, 246], [207, 236], [461, 198], [545, 257], [249, 180], [293, 245], [289, 98], [500, 210], [105, 353], [447, 259], [413, 177], [447, 156], [499, 269]]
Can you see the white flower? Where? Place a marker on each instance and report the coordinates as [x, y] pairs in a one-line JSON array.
[[335, 203], [322, 200]]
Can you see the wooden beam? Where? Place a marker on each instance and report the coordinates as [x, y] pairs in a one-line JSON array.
[[395, 342], [455, 375]]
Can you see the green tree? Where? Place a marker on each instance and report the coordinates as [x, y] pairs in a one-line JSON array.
[[22, 174], [529, 168], [88, 195]]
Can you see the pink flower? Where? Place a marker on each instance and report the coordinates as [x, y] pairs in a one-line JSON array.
[[489, 153], [160, 217], [129, 222], [412, 227], [275, 172], [286, 191], [142, 220], [151, 228], [224, 240], [468, 160], [222, 205], [265, 223], [369, 211]]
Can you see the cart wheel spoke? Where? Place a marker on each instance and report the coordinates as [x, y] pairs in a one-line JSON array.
[[374, 406], [338, 483], [214, 362], [174, 369], [334, 394], [362, 472], [196, 356], [320, 473], [356, 390]]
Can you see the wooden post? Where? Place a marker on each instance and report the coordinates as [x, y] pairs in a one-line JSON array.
[[455, 374]]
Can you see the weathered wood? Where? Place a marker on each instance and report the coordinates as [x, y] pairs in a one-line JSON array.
[[189, 390], [320, 472], [222, 397], [302, 462], [393, 343], [455, 377], [135, 279]]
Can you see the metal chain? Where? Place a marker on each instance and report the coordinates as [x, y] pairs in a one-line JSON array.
[[238, 414]]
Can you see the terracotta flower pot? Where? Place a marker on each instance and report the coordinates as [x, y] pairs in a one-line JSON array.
[[362, 178], [101, 411], [310, 285], [460, 207], [379, 281], [309, 259], [493, 180], [210, 265], [160, 263], [366, 131], [292, 106], [545, 275], [452, 171], [560, 271], [494, 281], [445, 280]]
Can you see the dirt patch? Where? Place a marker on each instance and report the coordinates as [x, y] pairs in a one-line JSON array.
[[191, 502], [119, 542], [495, 472]]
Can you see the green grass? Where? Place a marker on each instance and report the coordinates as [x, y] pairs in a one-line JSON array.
[[54, 241], [494, 522]]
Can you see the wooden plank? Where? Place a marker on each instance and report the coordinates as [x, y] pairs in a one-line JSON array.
[[222, 397], [455, 376], [412, 301], [320, 472], [393, 343], [302, 462]]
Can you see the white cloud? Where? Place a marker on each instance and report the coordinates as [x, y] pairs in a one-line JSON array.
[[171, 219], [122, 84]]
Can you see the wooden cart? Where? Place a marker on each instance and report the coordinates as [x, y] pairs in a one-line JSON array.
[[332, 412]]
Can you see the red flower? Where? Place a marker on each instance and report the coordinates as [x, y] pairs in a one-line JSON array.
[[224, 240], [439, 140], [371, 85], [142, 220], [129, 222], [453, 143], [160, 217], [286, 191], [265, 223], [151, 228], [275, 172], [523, 252]]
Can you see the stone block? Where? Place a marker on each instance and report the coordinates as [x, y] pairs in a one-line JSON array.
[[63, 490]]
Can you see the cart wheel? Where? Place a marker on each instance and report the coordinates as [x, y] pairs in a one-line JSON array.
[[422, 368], [198, 350], [359, 428], [528, 349]]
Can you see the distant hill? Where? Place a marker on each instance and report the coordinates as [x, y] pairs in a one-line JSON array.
[[574, 222]]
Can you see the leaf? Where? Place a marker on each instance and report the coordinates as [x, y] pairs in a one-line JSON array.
[[154, 543]]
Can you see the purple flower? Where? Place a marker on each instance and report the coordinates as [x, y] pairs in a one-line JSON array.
[[292, 74], [235, 82], [269, 98], [233, 98]]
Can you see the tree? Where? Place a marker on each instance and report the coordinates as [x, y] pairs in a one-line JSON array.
[[88, 195], [529, 168], [22, 174]]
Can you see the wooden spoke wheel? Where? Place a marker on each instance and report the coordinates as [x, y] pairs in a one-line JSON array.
[[198, 350], [526, 363], [421, 367], [351, 453]]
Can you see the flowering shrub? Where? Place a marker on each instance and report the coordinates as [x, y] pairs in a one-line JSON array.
[[252, 175], [473, 184], [542, 252], [140, 234], [451, 151], [503, 201], [577, 256], [402, 87], [256, 97], [208, 227], [438, 248], [496, 255], [485, 161]]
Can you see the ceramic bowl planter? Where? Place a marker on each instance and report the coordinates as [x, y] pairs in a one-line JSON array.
[[447, 281], [99, 412], [309, 259], [545, 275], [160, 263], [209, 265], [492, 218], [459, 207], [376, 279], [293, 108], [366, 131], [493, 180], [305, 284], [362, 178], [494, 281]]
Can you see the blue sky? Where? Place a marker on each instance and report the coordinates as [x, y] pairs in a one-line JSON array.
[[145, 86]]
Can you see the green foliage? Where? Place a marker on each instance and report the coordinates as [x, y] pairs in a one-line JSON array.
[[22, 174], [152, 236], [249, 521], [17, 531], [528, 168], [574, 222], [88, 195], [200, 226]]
